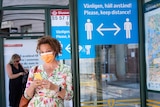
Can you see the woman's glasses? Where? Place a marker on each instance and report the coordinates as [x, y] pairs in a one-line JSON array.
[[17, 61]]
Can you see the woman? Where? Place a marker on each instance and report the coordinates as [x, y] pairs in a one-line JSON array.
[[54, 82], [15, 73]]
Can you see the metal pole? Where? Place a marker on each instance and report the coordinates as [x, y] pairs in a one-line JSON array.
[[142, 55], [2, 76], [74, 52]]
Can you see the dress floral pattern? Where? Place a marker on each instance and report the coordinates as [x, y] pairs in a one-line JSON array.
[[48, 98]]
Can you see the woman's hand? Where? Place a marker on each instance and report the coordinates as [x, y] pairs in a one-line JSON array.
[[21, 73], [36, 84], [48, 85], [26, 71]]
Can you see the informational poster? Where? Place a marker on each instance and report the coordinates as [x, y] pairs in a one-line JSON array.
[[107, 22], [152, 44], [26, 49], [60, 28]]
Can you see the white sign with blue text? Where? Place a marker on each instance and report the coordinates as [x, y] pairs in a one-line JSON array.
[[107, 22], [61, 30]]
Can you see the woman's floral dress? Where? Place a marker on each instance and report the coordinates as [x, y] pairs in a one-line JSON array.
[[48, 98]]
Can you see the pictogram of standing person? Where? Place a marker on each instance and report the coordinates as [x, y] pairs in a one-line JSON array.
[[89, 29], [128, 28]]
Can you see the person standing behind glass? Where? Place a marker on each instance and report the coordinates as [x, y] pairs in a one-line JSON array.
[[51, 83], [15, 73]]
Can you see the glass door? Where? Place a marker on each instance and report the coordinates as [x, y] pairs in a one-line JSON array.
[[111, 78], [108, 53]]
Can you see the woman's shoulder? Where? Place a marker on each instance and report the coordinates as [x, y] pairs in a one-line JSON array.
[[64, 65], [9, 65], [36, 67], [20, 65]]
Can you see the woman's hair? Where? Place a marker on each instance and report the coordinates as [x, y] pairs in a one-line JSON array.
[[13, 58], [54, 43]]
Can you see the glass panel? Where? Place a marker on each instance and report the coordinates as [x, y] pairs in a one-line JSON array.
[[112, 78], [153, 99], [33, 2], [22, 20], [152, 32], [26, 29], [152, 50]]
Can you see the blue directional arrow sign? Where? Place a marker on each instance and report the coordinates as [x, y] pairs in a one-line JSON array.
[[116, 29], [107, 22]]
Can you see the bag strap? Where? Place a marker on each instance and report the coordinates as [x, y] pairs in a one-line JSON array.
[[35, 69]]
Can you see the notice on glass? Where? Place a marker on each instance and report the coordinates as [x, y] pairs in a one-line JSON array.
[[152, 33]]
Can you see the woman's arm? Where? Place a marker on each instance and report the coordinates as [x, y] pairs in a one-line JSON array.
[[66, 91], [63, 90], [57, 89], [31, 89], [10, 73], [25, 70], [31, 85]]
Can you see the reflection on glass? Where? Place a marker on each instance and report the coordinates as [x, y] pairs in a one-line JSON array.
[[23, 23], [111, 78]]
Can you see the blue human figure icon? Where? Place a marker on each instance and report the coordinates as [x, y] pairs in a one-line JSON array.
[[128, 28], [89, 29]]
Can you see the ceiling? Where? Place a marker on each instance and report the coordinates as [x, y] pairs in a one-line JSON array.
[[28, 9]]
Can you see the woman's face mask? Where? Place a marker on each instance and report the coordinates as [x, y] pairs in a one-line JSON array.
[[47, 57]]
